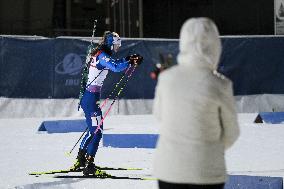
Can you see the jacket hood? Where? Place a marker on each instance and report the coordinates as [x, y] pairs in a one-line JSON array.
[[199, 43]]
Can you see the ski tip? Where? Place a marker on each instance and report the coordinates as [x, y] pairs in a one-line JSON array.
[[68, 154], [149, 178], [134, 169], [37, 173]]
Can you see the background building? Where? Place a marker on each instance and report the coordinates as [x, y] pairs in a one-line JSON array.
[[132, 18]]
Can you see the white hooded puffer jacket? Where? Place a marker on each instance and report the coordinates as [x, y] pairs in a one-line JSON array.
[[196, 110]]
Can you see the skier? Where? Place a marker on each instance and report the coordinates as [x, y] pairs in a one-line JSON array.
[[99, 62]]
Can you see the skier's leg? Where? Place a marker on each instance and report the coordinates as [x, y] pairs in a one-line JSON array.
[[93, 146], [86, 140], [80, 160], [96, 137], [93, 116], [91, 169], [90, 142], [86, 104]]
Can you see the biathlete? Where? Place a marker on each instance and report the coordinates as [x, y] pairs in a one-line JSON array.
[[99, 62]]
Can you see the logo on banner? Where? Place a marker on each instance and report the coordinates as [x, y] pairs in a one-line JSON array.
[[71, 65]]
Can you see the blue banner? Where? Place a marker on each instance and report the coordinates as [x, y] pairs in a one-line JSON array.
[[69, 59], [51, 68], [255, 65], [26, 69]]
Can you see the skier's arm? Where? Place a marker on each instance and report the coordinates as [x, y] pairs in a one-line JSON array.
[[228, 118], [115, 65]]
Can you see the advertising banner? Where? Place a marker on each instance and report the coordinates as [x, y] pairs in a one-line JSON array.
[[51, 68], [26, 69], [69, 58]]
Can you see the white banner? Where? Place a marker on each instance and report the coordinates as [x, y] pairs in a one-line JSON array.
[[279, 17]]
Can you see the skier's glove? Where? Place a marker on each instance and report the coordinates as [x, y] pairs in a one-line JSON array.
[[134, 59]]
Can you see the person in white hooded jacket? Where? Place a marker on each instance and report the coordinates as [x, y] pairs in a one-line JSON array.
[[195, 107]]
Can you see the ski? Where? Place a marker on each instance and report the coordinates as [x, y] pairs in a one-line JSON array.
[[105, 177], [54, 172], [72, 170]]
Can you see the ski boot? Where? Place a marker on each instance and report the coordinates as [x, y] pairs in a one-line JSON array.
[[91, 169], [80, 161]]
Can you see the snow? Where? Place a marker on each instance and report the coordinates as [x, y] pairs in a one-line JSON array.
[[258, 151]]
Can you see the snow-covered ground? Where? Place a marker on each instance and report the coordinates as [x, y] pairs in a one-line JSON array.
[[258, 151]]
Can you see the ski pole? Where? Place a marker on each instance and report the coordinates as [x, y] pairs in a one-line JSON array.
[[114, 89], [124, 84], [121, 89], [69, 153], [116, 85], [119, 92]]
